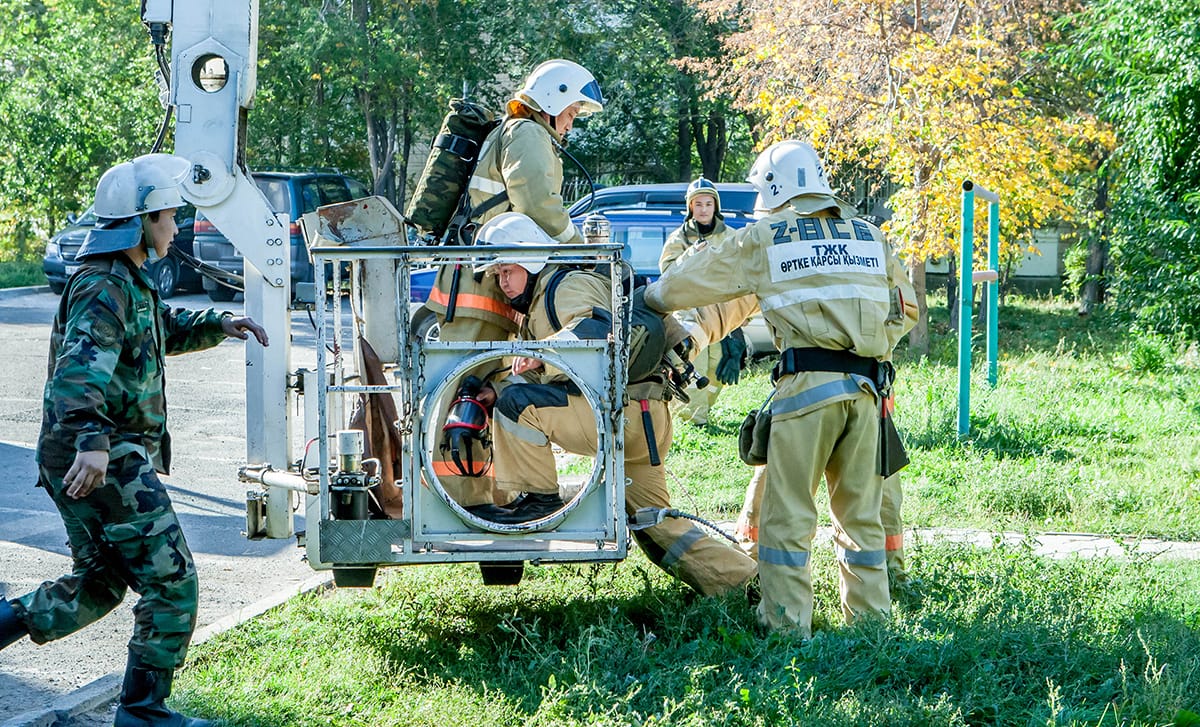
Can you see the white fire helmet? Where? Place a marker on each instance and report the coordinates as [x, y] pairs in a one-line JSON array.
[[787, 169], [555, 85], [512, 228], [146, 184], [125, 192]]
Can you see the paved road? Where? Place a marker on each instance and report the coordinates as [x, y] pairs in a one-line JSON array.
[[206, 391]]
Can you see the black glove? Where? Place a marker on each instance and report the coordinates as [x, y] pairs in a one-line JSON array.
[[733, 354], [638, 300]]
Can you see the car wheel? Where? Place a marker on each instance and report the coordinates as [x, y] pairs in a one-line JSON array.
[[426, 327], [166, 277], [221, 294], [57, 288]]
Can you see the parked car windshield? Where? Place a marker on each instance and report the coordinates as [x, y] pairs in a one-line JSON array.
[[644, 244], [87, 219]]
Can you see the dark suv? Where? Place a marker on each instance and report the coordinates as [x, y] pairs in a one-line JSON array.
[[296, 193], [169, 274]]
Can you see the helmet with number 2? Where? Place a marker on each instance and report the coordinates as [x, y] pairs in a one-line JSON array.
[[787, 169]]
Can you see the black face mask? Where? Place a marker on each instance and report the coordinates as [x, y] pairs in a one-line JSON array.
[[522, 302]]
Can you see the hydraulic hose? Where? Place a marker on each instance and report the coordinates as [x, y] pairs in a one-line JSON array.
[[648, 517]]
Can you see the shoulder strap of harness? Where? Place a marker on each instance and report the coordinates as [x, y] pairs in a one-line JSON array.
[[489, 205], [551, 289]]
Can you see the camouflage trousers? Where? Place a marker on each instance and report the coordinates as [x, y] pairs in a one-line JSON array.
[[123, 535]]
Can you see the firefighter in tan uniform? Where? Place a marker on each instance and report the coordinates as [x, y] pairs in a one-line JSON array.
[[746, 526], [519, 169], [837, 301], [529, 417], [704, 224]]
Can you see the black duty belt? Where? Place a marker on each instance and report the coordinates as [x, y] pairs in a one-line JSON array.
[[795, 360]]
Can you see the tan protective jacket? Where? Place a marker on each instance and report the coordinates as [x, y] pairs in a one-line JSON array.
[[578, 296], [582, 305], [822, 281], [519, 156], [687, 235], [710, 323]]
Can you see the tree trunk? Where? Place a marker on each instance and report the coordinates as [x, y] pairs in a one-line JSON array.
[[918, 337], [684, 130], [1094, 286], [406, 142], [711, 143]]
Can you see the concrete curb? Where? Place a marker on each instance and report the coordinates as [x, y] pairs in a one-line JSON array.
[[7, 293], [92, 697]]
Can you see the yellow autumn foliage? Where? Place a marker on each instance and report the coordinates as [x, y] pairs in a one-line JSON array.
[[928, 101]]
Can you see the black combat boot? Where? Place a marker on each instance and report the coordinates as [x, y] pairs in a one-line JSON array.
[[142, 699], [488, 511], [11, 627], [532, 506]]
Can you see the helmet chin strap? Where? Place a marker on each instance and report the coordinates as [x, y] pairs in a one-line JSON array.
[[552, 121], [522, 302]]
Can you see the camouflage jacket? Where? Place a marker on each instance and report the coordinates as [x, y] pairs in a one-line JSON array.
[[104, 382]]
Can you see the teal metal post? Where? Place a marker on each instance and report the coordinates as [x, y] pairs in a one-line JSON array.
[[993, 299], [965, 268]]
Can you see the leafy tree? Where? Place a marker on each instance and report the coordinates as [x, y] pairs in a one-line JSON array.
[[928, 94], [360, 85], [76, 96], [654, 59], [1142, 60], [357, 84]]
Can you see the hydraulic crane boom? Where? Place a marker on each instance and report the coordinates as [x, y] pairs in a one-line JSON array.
[[214, 49], [211, 87]]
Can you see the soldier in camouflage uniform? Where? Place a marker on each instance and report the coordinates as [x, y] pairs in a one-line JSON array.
[[104, 439]]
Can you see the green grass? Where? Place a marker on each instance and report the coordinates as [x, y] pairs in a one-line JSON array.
[[1088, 430], [21, 274], [1076, 436], [983, 637]]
